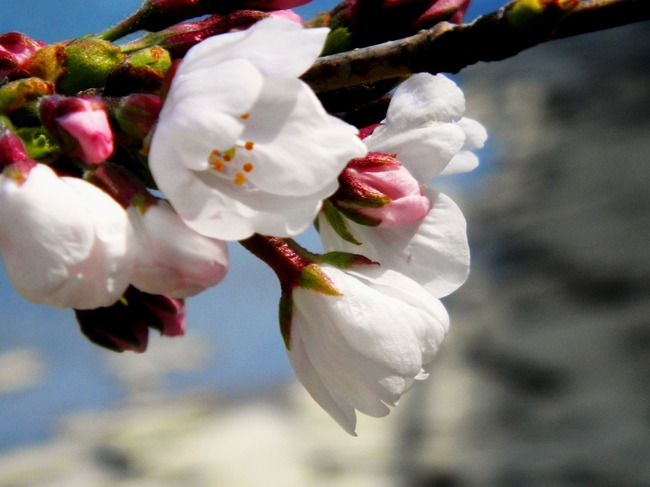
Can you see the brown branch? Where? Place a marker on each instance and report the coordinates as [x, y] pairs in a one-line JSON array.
[[449, 48]]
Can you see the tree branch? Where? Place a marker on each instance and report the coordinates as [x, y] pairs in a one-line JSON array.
[[449, 47]]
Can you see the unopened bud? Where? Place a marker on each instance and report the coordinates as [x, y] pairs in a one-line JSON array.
[[179, 38], [14, 160], [48, 63], [142, 71], [136, 114], [88, 64], [360, 23], [125, 324], [80, 125], [155, 15], [377, 190], [15, 50]]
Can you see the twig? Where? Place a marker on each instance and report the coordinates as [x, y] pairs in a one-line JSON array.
[[449, 47]]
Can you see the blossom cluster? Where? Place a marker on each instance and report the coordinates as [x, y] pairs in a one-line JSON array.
[[126, 169]]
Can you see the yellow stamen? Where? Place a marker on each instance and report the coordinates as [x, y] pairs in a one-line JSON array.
[[215, 160], [249, 145], [248, 167], [245, 116], [239, 179]]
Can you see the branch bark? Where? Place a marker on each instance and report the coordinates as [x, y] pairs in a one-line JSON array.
[[450, 47]]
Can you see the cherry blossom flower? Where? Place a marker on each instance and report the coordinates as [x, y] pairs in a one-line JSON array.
[[171, 258], [242, 145], [365, 347], [64, 242], [425, 130]]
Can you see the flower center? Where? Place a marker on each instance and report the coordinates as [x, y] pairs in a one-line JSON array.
[[230, 164]]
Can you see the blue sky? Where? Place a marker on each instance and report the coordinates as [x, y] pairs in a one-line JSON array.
[[237, 320]]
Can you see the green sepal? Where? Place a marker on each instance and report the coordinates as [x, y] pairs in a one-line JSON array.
[[337, 222], [314, 279], [359, 218], [39, 144], [154, 57], [16, 94], [285, 312], [345, 260], [338, 40]]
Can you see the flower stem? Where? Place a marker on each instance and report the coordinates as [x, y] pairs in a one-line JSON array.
[[284, 256]]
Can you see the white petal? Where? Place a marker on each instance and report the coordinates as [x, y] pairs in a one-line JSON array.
[[172, 259], [66, 242], [278, 47], [41, 233], [466, 160], [107, 274], [299, 148], [365, 348], [424, 151], [205, 115], [425, 98], [433, 252], [338, 409]]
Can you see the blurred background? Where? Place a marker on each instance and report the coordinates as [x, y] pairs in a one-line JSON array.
[[543, 380]]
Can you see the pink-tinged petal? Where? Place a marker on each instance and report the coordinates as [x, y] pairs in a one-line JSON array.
[[378, 190], [172, 259], [92, 132], [287, 15]]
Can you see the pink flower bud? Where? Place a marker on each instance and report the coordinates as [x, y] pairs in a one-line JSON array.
[[288, 15], [80, 125], [15, 49], [367, 22], [14, 160], [378, 190], [125, 324], [441, 10], [136, 114]]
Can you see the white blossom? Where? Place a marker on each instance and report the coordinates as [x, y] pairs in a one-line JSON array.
[[363, 349], [242, 145], [64, 242], [425, 130]]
